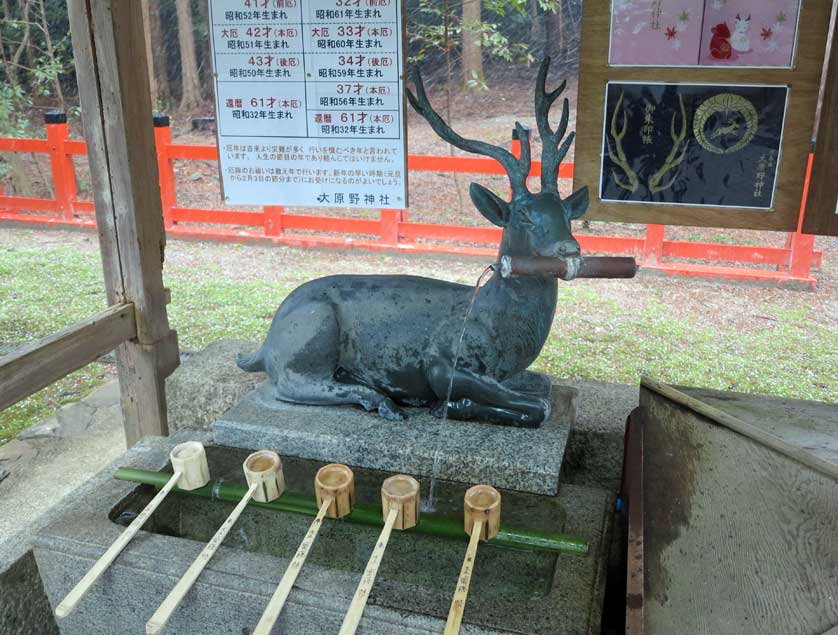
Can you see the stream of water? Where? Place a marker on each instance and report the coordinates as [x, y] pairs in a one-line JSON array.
[[429, 504]]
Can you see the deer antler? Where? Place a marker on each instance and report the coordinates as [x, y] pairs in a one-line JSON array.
[[671, 160], [516, 169], [619, 158], [551, 154]]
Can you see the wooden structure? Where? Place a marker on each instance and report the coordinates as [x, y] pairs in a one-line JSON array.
[[393, 230], [803, 78], [822, 217], [731, 505], [109, 45]]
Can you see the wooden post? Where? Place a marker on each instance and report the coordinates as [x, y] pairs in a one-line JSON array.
[[109, 48], [63, 174], [165, 167], [653, 245]]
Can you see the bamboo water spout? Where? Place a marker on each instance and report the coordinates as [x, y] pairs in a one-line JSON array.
[[263, 471], [334, 486], [400, 508], [481, 516], [189, 462]]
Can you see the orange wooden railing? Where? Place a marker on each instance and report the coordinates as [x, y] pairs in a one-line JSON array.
[[392, 230]]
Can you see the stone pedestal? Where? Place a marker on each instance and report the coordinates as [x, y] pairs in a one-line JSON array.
[[527, 460]]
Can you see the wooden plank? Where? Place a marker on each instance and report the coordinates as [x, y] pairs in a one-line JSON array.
[[111, 70], [737, 425], [822, 207], [633, 498], [33, 366], [804, 80], [738, 538]]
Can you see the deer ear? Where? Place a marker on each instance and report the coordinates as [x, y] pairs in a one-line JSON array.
[[494, 208], [577, 203]]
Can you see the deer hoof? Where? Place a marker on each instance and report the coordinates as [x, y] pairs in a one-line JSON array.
[[390, 411]]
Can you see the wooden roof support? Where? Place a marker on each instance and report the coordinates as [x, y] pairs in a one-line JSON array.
[[109, 47]]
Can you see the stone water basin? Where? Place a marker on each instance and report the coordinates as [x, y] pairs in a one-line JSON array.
[[512, 590]]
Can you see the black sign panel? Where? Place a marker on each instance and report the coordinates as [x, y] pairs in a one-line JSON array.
[[692, 144]]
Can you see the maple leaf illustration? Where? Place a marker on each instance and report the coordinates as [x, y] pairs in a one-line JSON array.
[[671, 32], [766, 34], [685, 16], [781, 17]]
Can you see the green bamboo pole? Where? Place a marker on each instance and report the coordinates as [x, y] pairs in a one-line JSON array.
[[431, 524]]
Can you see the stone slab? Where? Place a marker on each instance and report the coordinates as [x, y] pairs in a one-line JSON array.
[[207, 384], [231, 593], [527, 460]]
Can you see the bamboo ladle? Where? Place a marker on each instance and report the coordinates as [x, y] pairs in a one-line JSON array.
[[263, 471], [189, 464], [400, 509], [334, 486], [481, 519]]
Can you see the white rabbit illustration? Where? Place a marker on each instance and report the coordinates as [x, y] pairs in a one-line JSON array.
[[740, 41]]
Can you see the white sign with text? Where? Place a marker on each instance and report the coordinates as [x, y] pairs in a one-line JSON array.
[[309, 101]]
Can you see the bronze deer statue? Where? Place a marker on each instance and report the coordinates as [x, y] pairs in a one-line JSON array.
[[387, 341]]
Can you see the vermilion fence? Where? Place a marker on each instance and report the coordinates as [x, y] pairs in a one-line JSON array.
[[392, 230]]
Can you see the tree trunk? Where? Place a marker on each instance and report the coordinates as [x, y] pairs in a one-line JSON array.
[[56, 82], [538, 27], [472, 49], [23, 44], [204, 57], [152, 84], [190, 85], [158, 52]]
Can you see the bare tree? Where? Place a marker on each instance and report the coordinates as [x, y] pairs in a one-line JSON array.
[[190, 83], [472, 49]]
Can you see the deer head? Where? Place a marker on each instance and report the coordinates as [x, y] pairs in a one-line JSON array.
[[533, 223]]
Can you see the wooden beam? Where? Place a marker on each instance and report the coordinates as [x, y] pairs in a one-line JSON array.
[[36, 365], [822, 204], [742, 427], [109, 48]]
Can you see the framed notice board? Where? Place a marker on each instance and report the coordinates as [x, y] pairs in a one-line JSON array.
[[700, 112]]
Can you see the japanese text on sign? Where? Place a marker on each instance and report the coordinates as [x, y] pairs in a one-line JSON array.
[[309, 101]]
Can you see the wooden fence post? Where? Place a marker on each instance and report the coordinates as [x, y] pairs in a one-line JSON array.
[[273, 219], [111, 69], [389, 232], [165, 167], [63, 173], [653, 245]]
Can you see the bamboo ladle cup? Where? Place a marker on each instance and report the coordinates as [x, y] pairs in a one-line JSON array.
[[481, 519], [189, 463], [334, 486], [400, 509], [263, 471]]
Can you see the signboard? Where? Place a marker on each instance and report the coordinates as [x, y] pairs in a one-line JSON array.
[[692, 144], [310, 102], [735, 155], [738, 33]]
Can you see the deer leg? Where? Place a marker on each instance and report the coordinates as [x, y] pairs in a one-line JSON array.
[[478, 397], [323, 392], [303, 361]]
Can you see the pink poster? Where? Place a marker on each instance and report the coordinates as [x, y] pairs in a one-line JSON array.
[[738, 33]]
